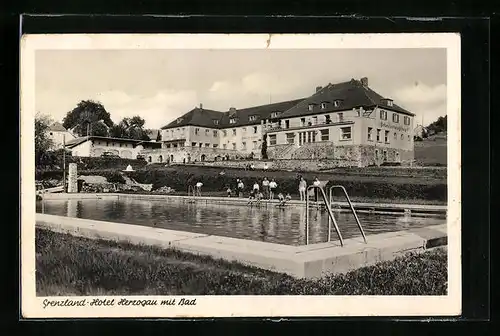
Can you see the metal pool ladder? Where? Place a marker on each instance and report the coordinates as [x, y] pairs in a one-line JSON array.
[[331, 217]]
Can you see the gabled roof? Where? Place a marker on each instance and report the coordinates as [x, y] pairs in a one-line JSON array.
[[197, 117], [351, 94], [260, 112], [57, 127]]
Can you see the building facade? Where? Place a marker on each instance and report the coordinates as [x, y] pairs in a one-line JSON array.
[[95, 146], [59, 135], [347, 121]]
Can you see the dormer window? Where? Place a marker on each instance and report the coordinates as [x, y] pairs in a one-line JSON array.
[[232, 121], [336, 103], [252, 118], [387, 102], [275, 114], [311, 107], [179, 120], [216, 122], [323, 106]]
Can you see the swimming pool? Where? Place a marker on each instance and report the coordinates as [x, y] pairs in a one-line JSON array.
[[266, 223]]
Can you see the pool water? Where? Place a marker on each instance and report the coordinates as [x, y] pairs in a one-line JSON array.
[[284, 225]]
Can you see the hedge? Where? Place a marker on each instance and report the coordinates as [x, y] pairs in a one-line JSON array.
[[371, 186]]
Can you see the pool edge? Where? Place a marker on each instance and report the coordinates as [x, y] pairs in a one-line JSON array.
[[308, 261]]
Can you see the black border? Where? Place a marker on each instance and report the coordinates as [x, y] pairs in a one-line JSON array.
[[475, 103]]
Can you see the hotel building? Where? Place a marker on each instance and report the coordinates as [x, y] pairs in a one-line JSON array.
[[347, 122]]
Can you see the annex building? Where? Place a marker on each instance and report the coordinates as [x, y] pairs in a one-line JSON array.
[[347, 122]]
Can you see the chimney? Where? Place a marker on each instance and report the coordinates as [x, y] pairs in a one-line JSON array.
[[201, 106], [232, 109], [364, 81], [318, 88]]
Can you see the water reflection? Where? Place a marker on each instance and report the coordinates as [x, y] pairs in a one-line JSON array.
[[264, 223]]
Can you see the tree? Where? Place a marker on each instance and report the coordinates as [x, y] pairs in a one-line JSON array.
[[130, 128], [264, 147], [43, 142], [158, 136], [88, 118], [438, 126]]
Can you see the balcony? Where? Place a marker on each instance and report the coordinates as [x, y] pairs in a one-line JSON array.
[[343, 121]]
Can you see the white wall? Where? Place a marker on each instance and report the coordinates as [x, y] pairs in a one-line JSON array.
[[58, 138]]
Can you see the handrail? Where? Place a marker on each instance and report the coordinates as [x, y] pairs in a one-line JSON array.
[[330, 214], [350, 205]]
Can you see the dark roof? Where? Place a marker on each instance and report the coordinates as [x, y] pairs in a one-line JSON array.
[[57, 127], [351, 94], [197, 117], [261, 112], [75, 142]]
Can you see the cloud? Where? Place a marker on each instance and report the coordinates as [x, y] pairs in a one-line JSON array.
[[419, 93]]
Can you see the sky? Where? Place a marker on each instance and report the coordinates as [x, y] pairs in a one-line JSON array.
[[161, 85]]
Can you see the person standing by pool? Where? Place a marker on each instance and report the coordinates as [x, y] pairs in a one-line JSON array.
[[256, 187], [241, 186], [302, 189], [272, 188], [228, 190], [265, 187], [316, 183], [198, 188]]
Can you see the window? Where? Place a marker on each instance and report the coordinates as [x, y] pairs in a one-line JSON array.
[[207, 145], [325, 135], [215, 146], [244, 129], [385, 155], [201, 145], [341, 116], [234, 131], [224, 146], [389, 102], [193, 144], [196, 131], [252, 118], [216, 134], [243, 145], [386, 138], [407, 120], [179, 120], [315, 120], [255, 130], [376, 154], [290, 138], [232, 121], [234, 145], [275, 114], [370, 131], [255, 145], [323, 106], [383, 115], [395, 136], [401, 136], [168, 145], [302, 121], [345, 133], [327, 119], [395, 117], [216, 122], [409, 138], [272, 139], [336, 103], [206, 131], [224, 133], [287, 123], [181, 144], [378, 135], [311, 107], [174, 145]]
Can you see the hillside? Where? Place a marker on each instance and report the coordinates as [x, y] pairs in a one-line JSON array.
[[432, 151]]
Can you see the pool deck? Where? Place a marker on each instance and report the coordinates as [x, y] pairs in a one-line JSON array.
[[381, 208], [309, 261]]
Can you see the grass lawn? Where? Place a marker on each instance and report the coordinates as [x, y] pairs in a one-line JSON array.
[[431, 152], [68, 265]]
